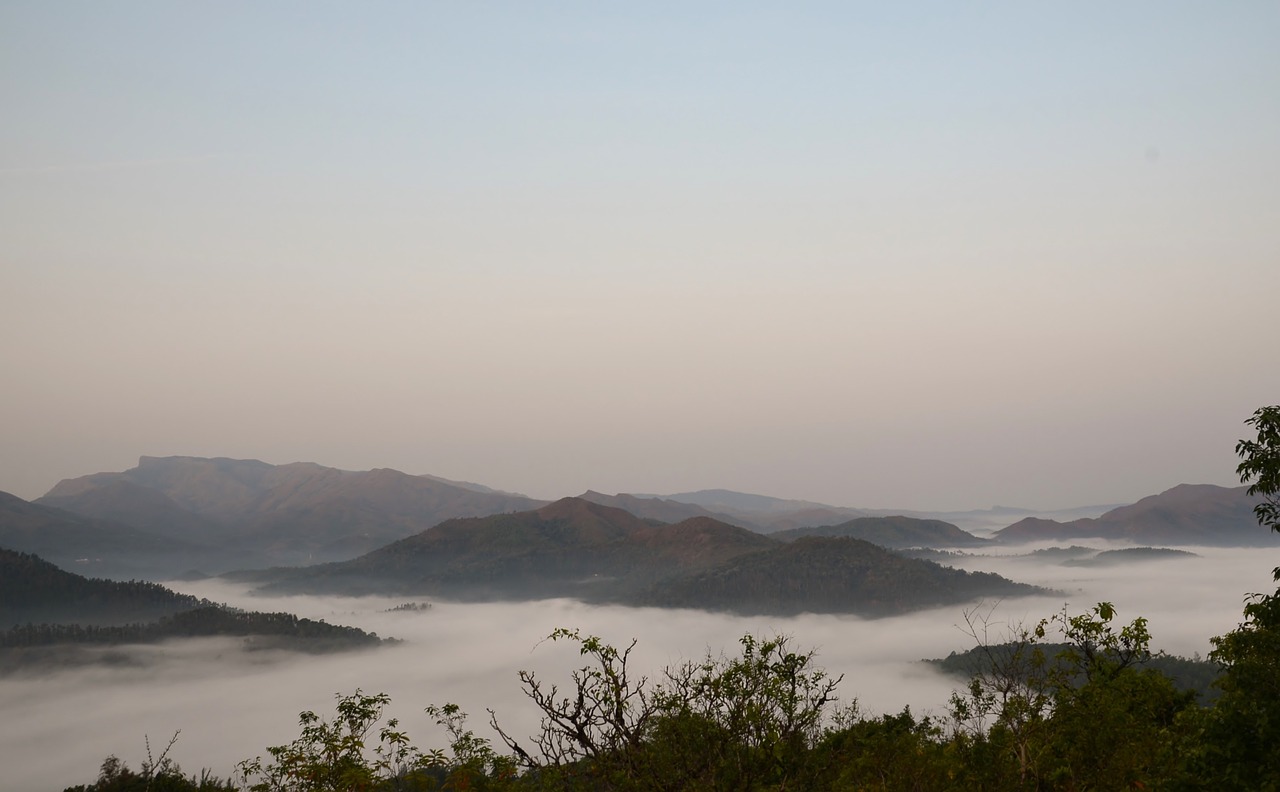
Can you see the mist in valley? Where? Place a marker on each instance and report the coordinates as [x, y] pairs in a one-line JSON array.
[[230, 703]]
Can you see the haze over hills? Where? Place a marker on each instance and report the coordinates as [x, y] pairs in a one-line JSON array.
[[767, 514], [1188, 514], [286, 514], [174, 514], [569, 548], [654, 508], [771, 514], [47, 613], [577, 548], [892, 532], [98, 546]]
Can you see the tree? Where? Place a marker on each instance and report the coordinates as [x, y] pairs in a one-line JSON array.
[[331, 755], [1243, 731], [1088, 717], [1260, 463], [741, 723]]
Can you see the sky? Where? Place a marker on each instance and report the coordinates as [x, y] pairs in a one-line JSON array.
[[880, 255]]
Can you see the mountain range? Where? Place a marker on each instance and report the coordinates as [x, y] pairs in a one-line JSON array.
[[896, 532], [581, 549], [1188, 514], [100, 546], [385, 530], [281, 514]]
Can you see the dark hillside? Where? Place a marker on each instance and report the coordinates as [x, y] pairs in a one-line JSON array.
[[574, 548], [34, 590], [831, 575], [571, 548]]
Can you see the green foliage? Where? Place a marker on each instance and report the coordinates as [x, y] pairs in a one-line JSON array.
[[1242, 745], [1240, 749], [752, 719], [332, 756], [1260, 463], [593, 734], [747, 722], [1087, 717], [475, 765], [897, 752]]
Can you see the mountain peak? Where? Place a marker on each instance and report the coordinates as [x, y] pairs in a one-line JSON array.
[[571, 508]]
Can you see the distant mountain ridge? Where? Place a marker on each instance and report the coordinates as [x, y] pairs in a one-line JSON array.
[[763, 512], [1188, 514], [770, 514], [95, 545], [669, 511], [581, 549], [285, 514], [895, 532]]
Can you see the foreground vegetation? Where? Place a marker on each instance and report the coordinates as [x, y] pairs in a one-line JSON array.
[[1069, 703], [1085, 712]]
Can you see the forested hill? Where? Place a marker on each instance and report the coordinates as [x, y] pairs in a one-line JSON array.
[[34, 590], [570, 548], [575, 548], [42, 605], [892, 532], [831, 575]]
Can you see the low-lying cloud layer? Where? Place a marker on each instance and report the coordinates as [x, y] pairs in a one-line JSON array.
[[231, 704]]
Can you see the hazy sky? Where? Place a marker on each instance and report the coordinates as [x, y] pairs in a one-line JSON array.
[[917, 255]]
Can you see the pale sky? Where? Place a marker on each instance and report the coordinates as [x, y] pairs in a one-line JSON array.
[[930, 256]]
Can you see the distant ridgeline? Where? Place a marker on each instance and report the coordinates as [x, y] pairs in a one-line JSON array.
[[892, 532], [46, 606], [581, 549], [1188, 514], [181, 513], [171, 516]]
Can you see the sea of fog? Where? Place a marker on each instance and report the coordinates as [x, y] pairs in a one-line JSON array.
[[230, 704]]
